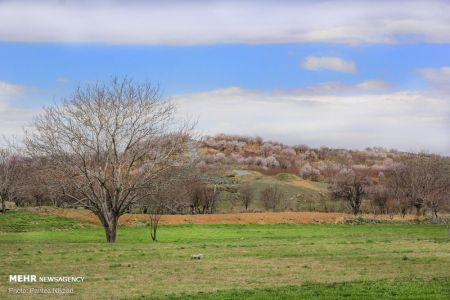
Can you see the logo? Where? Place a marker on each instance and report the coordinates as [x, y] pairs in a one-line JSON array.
[[34, 278]]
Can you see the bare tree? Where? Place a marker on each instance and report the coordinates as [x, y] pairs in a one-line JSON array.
[[36, 182], [109, 142], [165, 196], [350, 184], [396, 183], [8, 168], [272, 197], [428, 178], [246, 195], [422, 181], [438, 185], [156, 203], [379, 197], [204, 198]]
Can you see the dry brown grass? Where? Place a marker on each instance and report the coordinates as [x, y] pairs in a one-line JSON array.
[[306, 184]]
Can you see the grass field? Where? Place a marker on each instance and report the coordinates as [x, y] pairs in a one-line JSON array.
[[300, 194], [240, 261]]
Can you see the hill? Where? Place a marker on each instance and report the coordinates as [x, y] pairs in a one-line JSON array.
[[271, 158], [300, 172]]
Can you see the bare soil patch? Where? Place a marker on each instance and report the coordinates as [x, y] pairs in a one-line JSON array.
[[232, 218]]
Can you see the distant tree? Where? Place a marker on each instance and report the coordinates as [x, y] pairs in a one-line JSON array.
[[429, 183], [288, 152], [286, 158], [258, 140], [157, 200], [203, 198], [8, 176], [267, 149], [37, 183], [438, 181], [301, 148], [310, 155], [309, 172], [396, 183], [168, 195], [379, 197], [272, 197], [109, 142], [155, 215], [351, 184], [422, 181], [272, 162], [246, 195], [327, 169]]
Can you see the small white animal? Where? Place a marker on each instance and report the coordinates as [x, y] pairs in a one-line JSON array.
[[196, 256]]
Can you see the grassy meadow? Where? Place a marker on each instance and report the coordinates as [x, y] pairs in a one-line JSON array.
[[382, 261], [300, 194]]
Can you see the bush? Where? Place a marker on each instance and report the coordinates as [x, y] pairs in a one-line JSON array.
[[361, 221]]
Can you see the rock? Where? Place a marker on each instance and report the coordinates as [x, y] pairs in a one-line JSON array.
[[197, 256]]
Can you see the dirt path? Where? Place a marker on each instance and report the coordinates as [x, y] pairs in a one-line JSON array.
[[306, 184], [232, 218]]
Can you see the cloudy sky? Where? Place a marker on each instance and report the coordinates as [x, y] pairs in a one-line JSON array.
[[348, 74]]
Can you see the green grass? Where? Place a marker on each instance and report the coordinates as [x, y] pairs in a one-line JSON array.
[[240, 261], [313, 196], [437, 288], [297, 198], [286, 177], [29, 221], [300, 194]]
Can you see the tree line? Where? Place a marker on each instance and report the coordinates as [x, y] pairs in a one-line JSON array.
[[117, 146], [419, 182]]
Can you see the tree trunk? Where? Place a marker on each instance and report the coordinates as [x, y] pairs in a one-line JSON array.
[[3, 205], [153, 231], [154, 223], [110, 225], [111, 233], [418, 210], [355, 204], [435, 216]]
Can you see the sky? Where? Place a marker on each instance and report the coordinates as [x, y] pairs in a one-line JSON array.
[[347, 74]]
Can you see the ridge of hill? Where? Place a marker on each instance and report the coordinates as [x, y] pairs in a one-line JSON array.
[[271, 158]]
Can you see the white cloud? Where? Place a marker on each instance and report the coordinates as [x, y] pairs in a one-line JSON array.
[[10, 89], [62, 80], [12, 117], [333, 114], [317, 63], [438, 80], [408, 120], [340, 88], [213, 22], [436, 75], [373, 85]]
